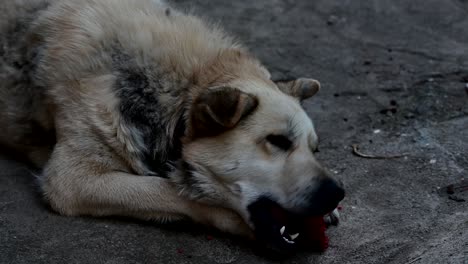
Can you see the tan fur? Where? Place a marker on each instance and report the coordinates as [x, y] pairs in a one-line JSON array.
[[97, 166]]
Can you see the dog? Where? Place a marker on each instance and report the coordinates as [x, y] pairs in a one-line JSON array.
[[132, 108]]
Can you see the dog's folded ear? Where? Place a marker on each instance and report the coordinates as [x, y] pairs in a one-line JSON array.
[[219, 109], [301, 88]]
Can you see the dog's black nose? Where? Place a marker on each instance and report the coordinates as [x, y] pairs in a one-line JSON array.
[[330, 190], [325, 197]]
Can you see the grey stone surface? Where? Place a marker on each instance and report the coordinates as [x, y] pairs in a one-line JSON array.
[[368, 55]]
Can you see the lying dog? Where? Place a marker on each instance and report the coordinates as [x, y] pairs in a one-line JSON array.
[[135, 109]]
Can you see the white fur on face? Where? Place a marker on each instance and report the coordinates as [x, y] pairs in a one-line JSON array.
[[243, 165]]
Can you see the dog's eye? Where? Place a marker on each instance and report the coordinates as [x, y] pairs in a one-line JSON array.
[[279, 141]]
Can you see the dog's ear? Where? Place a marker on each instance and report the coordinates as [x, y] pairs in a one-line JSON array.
[[301, 88], [219, 109]]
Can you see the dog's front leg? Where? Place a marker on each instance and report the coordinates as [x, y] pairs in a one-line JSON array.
[[88, 188]]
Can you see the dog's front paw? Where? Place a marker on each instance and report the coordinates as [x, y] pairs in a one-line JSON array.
[[224, 220], [231, 222], [332, 218]]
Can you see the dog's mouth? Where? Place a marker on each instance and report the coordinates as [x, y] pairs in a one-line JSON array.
[[285, 232]]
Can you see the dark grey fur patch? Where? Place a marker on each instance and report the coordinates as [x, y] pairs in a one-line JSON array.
[[189, 179], [23, 100], [16, 48], [139, 88], [16, 29], [174, 153]]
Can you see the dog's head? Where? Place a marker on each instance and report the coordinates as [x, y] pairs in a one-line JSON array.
[[250, 147]]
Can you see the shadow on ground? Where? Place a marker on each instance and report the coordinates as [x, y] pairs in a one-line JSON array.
[[395, 81]]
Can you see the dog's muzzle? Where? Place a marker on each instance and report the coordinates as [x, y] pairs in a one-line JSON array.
[[286, 230]]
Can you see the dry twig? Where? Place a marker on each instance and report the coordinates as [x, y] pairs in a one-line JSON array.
[[370, 156], [414, 260]]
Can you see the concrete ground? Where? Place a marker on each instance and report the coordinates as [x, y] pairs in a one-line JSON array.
[[395, 81]]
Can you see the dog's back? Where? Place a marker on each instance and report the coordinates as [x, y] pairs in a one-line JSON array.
[[96, 38]]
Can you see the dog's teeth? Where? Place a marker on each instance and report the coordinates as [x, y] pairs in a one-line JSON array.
[[336, 213], [288, 241], [282, 230], [293, 237]]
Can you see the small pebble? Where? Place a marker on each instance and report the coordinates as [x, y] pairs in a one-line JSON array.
[[432, 161], [332, 20], [377, 131]]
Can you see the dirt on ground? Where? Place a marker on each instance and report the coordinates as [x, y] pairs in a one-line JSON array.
[[394, 80]]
